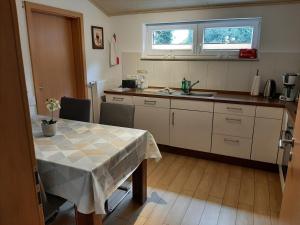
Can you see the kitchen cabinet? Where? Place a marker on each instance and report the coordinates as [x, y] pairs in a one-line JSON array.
[[153, 114], [266, 134], [236, 130], [235, 109], [120, 99], [191, 129], [233, 130], [231, 146], [155, 120], [240, 126]]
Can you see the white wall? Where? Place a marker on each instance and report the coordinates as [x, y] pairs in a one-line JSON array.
[[97, 61], [280, 48]]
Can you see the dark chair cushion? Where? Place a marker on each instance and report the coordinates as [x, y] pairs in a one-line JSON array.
[[117, 115], [75, 109]]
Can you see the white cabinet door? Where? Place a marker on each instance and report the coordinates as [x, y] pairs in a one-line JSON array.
[[155, 120], [265, 140], [191, 129]]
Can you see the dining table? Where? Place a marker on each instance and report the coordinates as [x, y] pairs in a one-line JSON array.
[[85, 163]]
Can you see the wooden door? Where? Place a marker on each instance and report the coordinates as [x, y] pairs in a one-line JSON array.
[[18, 190], [55, 37], [53, 58], [290, 209], [191, 129]]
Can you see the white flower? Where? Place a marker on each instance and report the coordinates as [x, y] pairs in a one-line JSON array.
[[52, 104]]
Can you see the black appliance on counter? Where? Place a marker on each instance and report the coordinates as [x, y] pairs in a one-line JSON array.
[[129, 83]]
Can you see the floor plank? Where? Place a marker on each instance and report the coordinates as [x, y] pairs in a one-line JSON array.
[[188, 191]]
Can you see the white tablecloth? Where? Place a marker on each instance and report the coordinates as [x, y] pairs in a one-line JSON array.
[[84, 162]]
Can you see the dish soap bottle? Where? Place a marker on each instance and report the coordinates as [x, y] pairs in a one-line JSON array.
[[184, 85]]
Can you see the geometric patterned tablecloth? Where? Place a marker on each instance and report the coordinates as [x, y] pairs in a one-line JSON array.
[[86, 162]]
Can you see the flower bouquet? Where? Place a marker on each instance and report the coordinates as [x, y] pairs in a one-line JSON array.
[[49, 126]]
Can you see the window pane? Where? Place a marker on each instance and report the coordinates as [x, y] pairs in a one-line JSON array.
[[172, 39], [228, 37]]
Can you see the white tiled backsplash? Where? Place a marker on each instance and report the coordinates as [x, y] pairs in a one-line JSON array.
[[217, 75]]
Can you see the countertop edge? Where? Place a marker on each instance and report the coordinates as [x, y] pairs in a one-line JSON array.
[[207, 99]]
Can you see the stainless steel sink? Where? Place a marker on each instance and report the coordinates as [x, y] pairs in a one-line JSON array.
[[199, 94]]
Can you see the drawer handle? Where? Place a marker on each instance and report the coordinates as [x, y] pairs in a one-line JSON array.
[[234, 108], [148, 102], [173, 118], [235, 120], [118, 99], [231, 140]]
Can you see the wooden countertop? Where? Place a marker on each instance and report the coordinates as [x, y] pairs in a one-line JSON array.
[[218, 97]]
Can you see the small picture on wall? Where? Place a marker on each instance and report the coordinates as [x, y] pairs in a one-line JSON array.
[[97, 37]]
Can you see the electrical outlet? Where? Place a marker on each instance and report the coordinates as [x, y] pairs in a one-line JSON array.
[[133, 77]]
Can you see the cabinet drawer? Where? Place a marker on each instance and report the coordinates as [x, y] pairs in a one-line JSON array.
[[152, 102], [192, 105], [240, 126], [120, 99], [269, 112], [235, 109], [231, 146]]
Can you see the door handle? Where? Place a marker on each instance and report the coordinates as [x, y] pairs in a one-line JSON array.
[[41, 87], [173, 118], [234, 120], [291, 156], [283, 142], [148, 102], [234, 108]]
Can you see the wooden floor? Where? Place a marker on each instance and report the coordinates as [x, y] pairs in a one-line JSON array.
[[189, 191]]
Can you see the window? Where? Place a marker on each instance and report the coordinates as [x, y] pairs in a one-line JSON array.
[[227, 38], [172, 39], [177, 39], [213, 38]]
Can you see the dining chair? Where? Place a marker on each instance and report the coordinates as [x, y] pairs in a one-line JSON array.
[[117, 115], [75, 109], [51, 203], [122, 116]]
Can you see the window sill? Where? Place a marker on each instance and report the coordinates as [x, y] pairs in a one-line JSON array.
[[198, 58]]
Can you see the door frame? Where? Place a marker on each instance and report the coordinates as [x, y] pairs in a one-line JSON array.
[[78, 40], [16, 130]]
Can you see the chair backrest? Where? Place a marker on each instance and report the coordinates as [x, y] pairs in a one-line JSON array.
[[75, 109], [117, 115]]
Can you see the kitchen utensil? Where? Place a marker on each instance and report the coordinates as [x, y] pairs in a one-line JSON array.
[[289, 91], [255, 85], [270, 89]]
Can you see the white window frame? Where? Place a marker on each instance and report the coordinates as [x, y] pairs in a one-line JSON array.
[[156, 52], [198, 28], [253, 22]]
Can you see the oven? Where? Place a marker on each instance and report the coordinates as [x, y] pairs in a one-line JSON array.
[[285, 149]]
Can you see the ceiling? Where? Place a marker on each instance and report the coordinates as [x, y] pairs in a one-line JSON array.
[[122, 7]]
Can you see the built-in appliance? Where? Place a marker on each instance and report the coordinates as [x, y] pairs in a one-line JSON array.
[[289, 91], [130, 83], [285, 149], [270, 89]]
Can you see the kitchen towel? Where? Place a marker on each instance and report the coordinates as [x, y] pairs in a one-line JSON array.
[[255, 86], [114, 58]]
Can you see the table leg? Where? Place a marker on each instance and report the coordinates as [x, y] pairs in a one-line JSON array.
[[139, 192], [87, 219], [139, 183]]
